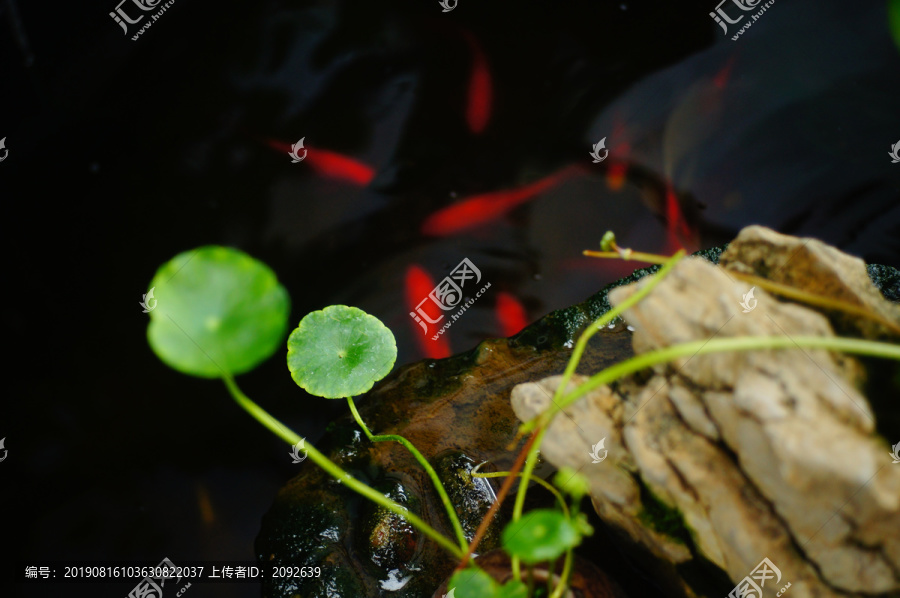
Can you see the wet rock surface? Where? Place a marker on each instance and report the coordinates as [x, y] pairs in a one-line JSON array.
[[457, 412]]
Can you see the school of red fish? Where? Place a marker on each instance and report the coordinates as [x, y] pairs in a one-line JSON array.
[[481, 209]]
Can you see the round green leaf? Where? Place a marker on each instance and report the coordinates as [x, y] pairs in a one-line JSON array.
[[339, 352], [217, 311], [472, 583], [540, 535], [512, 589]]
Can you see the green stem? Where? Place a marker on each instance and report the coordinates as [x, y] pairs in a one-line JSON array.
[[650, 258], [598, 325], [575, 358], [739, 343], [289, 436], [554, 491], [564, 578], [530, 463], [557, 592], [435, 480]]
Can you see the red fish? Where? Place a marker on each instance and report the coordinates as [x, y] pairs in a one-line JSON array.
[[332, 165], [511, 314], [417, 286], [484, 207], [678, 232], [481, 89], [618, 157], [721, 78], [618, 167]]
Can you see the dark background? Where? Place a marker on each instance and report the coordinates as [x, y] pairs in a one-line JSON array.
[[124, 153]]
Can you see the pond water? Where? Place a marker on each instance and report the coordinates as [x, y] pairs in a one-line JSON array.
[[123, 153]]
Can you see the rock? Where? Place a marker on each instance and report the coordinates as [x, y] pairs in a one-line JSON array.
[[456, 412], [811, 265], [718, 461]]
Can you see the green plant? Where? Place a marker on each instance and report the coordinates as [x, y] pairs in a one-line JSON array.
[[220, 313]]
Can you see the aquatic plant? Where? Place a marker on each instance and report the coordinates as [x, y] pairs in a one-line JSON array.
[[220, 313]]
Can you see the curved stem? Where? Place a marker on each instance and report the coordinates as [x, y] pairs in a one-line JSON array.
[[567, 565], [564, 578], [435, 480], [602, 321], [489, 516], [814, 299], [739, 343], [769, 285], [542, 482], [291, 437], [530, 462], [638, 256]]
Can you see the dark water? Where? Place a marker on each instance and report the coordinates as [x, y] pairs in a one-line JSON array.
[[123, 153]]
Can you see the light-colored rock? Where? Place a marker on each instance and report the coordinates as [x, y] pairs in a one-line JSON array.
[[764, 453], [811, 265]]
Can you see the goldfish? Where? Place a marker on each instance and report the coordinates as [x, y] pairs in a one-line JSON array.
[[678, 231], [510, 314], [481, 208], [417, 286], [331, 164], [481, 89]]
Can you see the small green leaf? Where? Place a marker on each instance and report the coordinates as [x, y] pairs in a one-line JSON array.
[[472, 583], [218, 311], [572, 482], [540, 535], [339, 352], [608, 240], [581, 523], [511, 589]]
